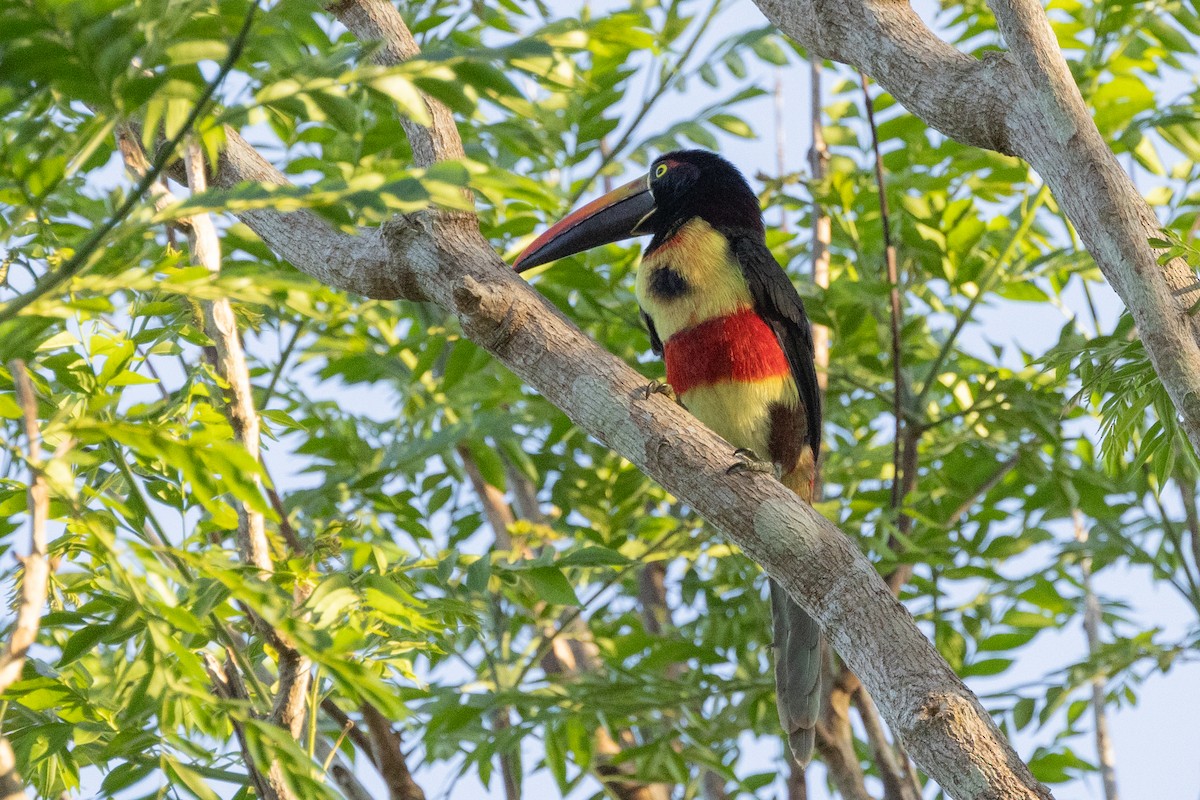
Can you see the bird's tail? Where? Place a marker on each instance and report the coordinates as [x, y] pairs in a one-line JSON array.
[[797, 672], [797, 648]]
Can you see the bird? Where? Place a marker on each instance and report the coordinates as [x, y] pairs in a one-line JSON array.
[[737, 346]]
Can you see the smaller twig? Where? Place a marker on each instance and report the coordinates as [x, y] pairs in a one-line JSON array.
[[284, 355], [339, 771], [896, 785], [1091, 630], [352, 731], [992, 482], [228, 686], [897, 320], [36, 582], [388, 754]]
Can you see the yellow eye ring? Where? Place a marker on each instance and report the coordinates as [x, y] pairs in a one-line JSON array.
[[660, 170]]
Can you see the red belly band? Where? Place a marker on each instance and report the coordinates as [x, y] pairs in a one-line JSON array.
[[739, 347]]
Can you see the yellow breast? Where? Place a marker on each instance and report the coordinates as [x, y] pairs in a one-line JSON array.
[[701, 257]]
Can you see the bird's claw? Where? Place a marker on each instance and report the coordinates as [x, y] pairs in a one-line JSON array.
[[749, 461], [659, 387]]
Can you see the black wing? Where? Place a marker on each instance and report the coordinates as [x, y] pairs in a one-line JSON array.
[[655, 343], [776, 301]]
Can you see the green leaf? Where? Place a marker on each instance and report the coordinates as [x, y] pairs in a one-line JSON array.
[[552, 586]]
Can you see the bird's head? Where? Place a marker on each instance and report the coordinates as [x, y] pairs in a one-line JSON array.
[[680, 186]]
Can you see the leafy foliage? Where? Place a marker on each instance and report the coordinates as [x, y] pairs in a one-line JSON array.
[[389, 437]]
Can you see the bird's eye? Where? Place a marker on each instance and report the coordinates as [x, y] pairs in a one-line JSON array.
[[660, 170]]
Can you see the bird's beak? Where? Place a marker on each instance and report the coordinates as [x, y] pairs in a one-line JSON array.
[[617, 215]]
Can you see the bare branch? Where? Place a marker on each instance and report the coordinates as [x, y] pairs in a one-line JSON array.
[[1026, 104], [221, 326], [389, 756], [495, 508], [36, 580], [227, 685], [896, 784], [835, 738], [1091, 630]]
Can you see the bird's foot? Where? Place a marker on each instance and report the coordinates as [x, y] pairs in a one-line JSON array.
[[749, 461], [659, 387]]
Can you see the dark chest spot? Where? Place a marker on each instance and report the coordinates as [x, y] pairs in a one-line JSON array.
[[666, 283]]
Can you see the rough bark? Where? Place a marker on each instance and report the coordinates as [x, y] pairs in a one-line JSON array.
[[1024, 103]]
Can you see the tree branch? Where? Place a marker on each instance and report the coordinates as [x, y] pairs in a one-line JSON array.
[[1091, 630], [1026, 104], [228, 685], [835, 737], [36, 580], [221, 326], [389, 757], [896, 782], [379, 21]]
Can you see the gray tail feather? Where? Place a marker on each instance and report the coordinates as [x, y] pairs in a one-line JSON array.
[[797, 672]]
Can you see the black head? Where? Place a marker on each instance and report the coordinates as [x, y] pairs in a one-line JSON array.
[[680, 186], [697, 183]]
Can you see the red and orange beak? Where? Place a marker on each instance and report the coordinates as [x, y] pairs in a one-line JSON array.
[[618, 215]]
